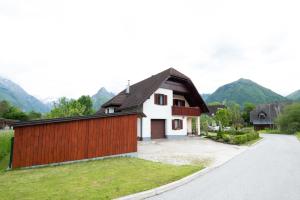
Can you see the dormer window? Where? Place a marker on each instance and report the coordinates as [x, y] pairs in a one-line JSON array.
[[160, 99], [262, 115], [109, 110]]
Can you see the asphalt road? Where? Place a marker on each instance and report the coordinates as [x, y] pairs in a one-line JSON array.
[[268, 171]]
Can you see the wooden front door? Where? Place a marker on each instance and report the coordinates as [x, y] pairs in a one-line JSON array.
[[158, 128]]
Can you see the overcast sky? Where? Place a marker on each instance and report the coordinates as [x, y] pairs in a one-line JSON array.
[[69, 48]]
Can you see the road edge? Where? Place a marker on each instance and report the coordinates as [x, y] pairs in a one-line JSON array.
[[180, 182]]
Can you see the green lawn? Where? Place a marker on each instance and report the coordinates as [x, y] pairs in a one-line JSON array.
[[102, 179]]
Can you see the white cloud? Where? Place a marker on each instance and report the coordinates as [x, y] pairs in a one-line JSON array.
[[69, 48]]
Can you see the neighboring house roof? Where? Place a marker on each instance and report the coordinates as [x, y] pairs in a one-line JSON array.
[[7, 121], [75, 118], [266, 113], [262, 121], [214, 108], [142, 90]]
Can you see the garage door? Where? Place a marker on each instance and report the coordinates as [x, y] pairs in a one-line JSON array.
[[158, 128]]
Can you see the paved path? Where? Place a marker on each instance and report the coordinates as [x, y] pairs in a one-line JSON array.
[[188, 151], [268, 171]]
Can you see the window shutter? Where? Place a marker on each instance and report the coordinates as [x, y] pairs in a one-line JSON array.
[[173, 124], [156, 98], [165, 99], [180, 124]]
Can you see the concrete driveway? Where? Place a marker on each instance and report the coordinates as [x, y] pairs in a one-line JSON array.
[[268, 171], [190, 150]]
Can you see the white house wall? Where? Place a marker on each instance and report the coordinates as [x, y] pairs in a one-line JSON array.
[[189, 125], [153, 111]]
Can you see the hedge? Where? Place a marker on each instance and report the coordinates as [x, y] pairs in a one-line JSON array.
[[237, 138]]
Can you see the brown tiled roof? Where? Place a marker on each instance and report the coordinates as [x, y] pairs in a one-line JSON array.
[[270, 110], [142, 90]]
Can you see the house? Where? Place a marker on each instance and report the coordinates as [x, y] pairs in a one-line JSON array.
[[264, 116], [6, 123], [213, 109], [170, 102]]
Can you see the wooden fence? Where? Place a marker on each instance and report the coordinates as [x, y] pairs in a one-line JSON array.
[[60, 141]]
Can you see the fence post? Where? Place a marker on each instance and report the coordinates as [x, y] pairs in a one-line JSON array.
[[11, 152]]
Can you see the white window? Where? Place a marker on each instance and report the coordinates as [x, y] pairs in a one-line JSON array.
[[109, 110]]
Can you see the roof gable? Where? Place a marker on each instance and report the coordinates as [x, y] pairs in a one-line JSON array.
[[271, 111], [142, 90]]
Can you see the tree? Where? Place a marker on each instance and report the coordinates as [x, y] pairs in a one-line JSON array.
[[4, 107], [34, 115], [215, 103], [205, 121], [289, 119], [10, 112], [223, 117], [15, 113], [67, 108], [235, 114], [87, 102], [248, 107]]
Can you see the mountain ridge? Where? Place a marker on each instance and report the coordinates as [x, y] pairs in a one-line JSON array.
[[295, 96], [243, 91], [18, 97], [101, 97]]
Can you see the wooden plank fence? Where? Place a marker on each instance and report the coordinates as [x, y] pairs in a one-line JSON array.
[[41, 144]]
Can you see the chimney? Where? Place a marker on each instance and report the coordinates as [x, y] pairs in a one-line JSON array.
[[128, 87]]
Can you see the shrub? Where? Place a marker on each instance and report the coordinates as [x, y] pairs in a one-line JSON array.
[[293, 127], [5, 140], [240, 139], [298, 135], [243, 139], [214, 137], [289, 120], [220, 134], [235, 137], [226, 138]]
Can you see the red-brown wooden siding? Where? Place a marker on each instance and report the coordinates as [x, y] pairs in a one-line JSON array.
[[186, 111], [74, 140]]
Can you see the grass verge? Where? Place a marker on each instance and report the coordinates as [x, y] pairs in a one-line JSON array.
[[273, 131], [251, 142], [102, 179]]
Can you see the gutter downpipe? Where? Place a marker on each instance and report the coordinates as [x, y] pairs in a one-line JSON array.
[[141, 127]]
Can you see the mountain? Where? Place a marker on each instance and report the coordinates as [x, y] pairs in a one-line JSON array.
[[49, 102], [101, 97], [295, 96], [244, 90], [205, 96], [18, 97]]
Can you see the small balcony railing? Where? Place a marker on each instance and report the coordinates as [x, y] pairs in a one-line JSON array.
[[186, 111]]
